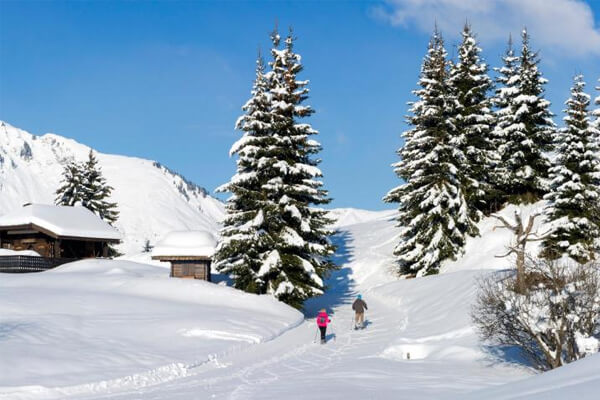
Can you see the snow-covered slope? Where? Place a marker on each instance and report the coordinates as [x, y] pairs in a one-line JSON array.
[[152, 199], [419, 342], [121, 323]]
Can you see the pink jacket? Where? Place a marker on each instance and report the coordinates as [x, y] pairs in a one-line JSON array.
[[323, 319]]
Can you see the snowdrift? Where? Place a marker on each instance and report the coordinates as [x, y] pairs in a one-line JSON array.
[[94, 321]]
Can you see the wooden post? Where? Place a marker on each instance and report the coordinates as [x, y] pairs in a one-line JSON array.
[[56, 245]]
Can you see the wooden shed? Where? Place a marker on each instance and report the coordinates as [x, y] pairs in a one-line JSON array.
[[189, 253], [54, 233]]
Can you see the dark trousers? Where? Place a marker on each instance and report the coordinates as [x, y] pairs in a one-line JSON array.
[[323, 329]]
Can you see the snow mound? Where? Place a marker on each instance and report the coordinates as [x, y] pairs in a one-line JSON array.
[[579, 380], [100, 320], [186, 243]]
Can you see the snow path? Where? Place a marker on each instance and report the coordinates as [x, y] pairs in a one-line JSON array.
[[426, 317], [244, 375]]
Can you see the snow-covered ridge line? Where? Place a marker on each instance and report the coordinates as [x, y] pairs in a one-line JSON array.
[[152, 199]]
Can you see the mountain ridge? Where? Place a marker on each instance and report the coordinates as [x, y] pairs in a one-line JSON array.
[[152, 198]]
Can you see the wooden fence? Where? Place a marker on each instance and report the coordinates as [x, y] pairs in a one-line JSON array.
[[22, 264]]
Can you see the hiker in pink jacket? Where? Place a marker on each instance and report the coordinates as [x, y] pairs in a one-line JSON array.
[[322, 321]]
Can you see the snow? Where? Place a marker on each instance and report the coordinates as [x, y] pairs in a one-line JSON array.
[[579, 380], [186, 243], [75, 221], [152, 200], [482, 252], [8, 252], [121, 330], [98, 323]]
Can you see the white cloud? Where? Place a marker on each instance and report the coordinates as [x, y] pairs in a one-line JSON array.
[[563, 26]]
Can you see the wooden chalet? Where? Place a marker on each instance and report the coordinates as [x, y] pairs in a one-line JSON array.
[[189, 253], [57, 233]]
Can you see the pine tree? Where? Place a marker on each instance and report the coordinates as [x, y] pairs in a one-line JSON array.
[[96, 191], [474, 123], [71, 192], [575, 183], [285, 237], [503, 100], [433, 211], [147, 247], [526, 131], [246, 243], [596, 112]]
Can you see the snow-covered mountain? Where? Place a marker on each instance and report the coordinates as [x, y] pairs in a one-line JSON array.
[[152, 199]]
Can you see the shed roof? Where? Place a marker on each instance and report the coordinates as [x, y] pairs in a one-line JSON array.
[[60, 221], [185, 244]]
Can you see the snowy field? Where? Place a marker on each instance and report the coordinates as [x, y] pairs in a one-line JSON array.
[[123, 330], [119, 323]]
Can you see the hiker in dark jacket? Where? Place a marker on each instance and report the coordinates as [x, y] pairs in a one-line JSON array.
[[359, 306]]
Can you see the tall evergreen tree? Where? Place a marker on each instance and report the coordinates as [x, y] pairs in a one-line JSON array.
[[474, 123], [575, 183], [503, 100], [96, 191], [292, 248], [71, 192], [433, 211], [246, 243], [596, 111], [526, 130]]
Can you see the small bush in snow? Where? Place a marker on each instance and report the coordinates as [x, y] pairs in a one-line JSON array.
[[554, 321]]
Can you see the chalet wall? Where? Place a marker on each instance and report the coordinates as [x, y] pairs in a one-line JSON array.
[[39, 243], [198, 269]]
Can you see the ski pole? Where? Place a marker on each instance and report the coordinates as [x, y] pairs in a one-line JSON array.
[[316, 333]]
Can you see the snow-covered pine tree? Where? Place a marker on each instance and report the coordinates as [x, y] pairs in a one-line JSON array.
[[528, 135], [596, 111], [301, 257], [474, 123], [575, 183], [96, 191], [433, 211], [71, 191], [503, 100], [147, 247], [291, 253], [246, 238]]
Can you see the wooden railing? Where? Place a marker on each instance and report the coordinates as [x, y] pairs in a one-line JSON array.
[[22, 264]]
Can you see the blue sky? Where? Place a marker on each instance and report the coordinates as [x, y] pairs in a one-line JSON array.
[[166, 80]]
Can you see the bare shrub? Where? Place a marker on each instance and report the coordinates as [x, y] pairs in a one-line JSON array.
[[552, 314]]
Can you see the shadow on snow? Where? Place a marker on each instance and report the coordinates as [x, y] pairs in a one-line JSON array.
[[340, 286]]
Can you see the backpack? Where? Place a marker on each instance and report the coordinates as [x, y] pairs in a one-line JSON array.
[[322, 320]]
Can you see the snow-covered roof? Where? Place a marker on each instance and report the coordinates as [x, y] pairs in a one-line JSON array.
[[61, 221], [186, 244]]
